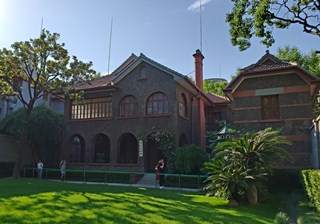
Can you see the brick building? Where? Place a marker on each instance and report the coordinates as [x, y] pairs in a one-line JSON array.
[[274, 93], [109, 129]]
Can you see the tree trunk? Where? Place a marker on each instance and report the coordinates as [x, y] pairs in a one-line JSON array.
[[252, 194], [23, 144]]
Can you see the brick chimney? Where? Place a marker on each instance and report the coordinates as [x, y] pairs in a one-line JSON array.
[[201, 129], [198, 58]]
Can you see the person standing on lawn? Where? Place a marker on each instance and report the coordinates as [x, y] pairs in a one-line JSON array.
[[40, 169], [160, 171], [62, 167]]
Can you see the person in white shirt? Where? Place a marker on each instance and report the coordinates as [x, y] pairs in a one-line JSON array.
[[62, 166], [40, 169]]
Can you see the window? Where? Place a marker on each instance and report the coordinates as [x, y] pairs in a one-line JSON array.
[[270, 107], [128, 106], [143, 72], [127, 149], [158, 103], [102, 149], [92, 109], [76, 154], [183, 109]]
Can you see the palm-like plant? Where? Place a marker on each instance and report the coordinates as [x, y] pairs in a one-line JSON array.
[[249, 157]]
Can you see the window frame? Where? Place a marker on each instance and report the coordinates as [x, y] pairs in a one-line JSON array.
[[128, 106], [90, 109], [159, 104], [270, 110], [183, 106]]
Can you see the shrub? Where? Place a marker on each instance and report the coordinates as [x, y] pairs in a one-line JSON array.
[[189, 159], [281, 218], [6, 169], [311, 180]]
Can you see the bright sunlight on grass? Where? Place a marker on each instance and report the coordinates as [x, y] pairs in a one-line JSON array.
[[41, 201]]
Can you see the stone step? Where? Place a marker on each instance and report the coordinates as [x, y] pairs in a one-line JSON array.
[[148, 179]]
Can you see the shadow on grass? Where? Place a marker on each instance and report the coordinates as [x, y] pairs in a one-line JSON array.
[[39, 201]]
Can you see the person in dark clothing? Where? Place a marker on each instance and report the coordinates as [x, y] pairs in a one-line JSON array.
[[160, 170]]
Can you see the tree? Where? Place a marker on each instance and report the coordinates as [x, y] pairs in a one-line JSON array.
[[257, 18], [214, 87], [189, 159], [44, 133], [245, 160], [310, 62], [44, 64]]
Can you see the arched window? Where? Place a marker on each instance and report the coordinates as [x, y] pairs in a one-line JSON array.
[[158, 103], [76, 154], [183, 109], [102, 149], [128, 106], [127, 149]]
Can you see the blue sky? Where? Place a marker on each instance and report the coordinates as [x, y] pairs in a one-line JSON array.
[[166, 31]]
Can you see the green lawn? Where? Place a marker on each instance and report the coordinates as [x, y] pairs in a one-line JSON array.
[[42, 201]]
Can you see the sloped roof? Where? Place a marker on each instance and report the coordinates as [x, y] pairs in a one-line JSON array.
[[267, 62], [143, 58], [110, 81], [96, 83], [106, 80], [269, 65], [217, 99]]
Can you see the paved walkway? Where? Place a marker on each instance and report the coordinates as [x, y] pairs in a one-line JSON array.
[[132, 185]]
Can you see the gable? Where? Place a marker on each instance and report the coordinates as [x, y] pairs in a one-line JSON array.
[[270, 72]]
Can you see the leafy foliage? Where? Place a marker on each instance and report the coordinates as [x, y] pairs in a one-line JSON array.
[[214, 87], [45, 129], [257, 18], [311, 180], [243, 161], [309, 62], [165, 139], [281, 218], [189, 159], [42, 66]]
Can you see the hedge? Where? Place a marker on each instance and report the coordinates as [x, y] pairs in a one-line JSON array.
[[6, 169], [311, 180]]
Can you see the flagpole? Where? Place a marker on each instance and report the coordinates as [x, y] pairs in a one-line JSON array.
[[110, 45]]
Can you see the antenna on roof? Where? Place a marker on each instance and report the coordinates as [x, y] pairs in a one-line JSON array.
[[41, 25], [110, 44], [200, 26]]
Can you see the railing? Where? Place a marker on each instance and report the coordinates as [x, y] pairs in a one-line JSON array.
[[107, 177]]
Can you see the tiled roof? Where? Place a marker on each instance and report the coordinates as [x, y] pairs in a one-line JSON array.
[[98, 82], [267, 62], [217, 98], [107, 79], [265, 67], [162, 66]]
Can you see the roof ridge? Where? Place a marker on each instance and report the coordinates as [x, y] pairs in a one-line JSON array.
[[161, 65]]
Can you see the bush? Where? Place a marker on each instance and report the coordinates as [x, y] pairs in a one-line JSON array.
[[189, 159], [311, 180], [6, 169], [281, 218]]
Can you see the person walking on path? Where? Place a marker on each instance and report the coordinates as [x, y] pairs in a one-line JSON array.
[[40, 169], [160, 170], [62, 167]]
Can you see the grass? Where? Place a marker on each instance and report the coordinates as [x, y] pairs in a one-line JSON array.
[[42, 201]]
